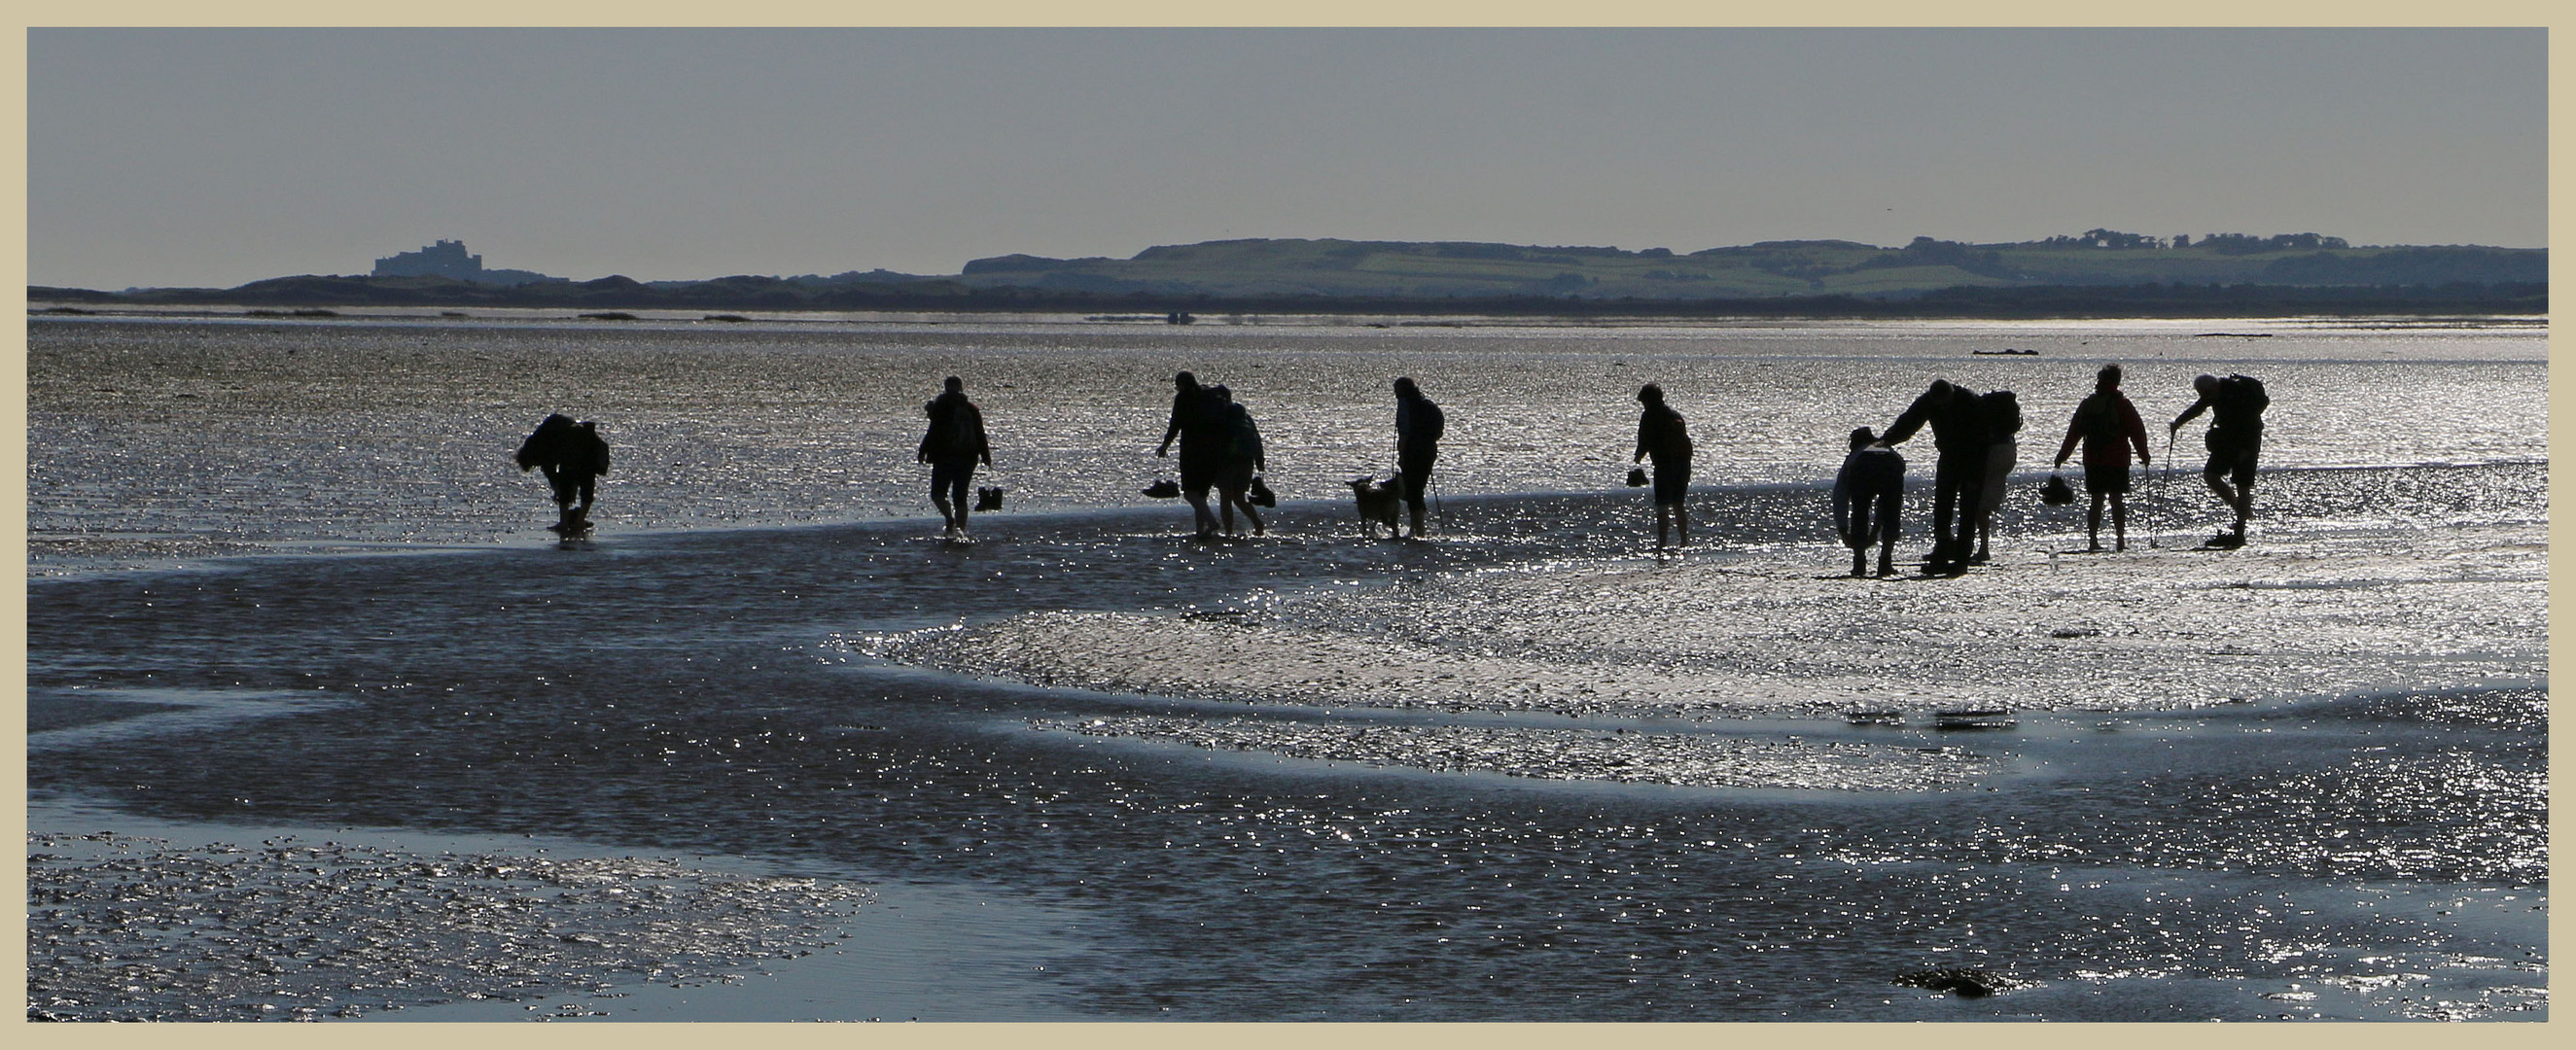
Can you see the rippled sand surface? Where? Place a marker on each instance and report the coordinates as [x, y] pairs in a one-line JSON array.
[[1767, 633], [126, 928]]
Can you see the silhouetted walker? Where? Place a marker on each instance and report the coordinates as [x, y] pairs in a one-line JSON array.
[[952, 446], [1868, 491], [1418, 426], [573, 457], [1240, 460], [2109, 427], [2002, 410], [2235, 439], [1958, 474], [1202, 446], [1662, 435]]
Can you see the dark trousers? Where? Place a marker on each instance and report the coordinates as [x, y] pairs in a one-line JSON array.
[[949, 478], [1958, 478], [1416, 469], [1874, 517], [570, 486]]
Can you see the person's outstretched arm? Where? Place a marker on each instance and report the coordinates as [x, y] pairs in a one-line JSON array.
[[2074, 434], [2197, 407]]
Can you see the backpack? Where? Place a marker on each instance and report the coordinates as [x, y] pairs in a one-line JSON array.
[[1245, 436], [1427, 421], [2246, 391], [594, 451], [2003, 414], [2104, 423]]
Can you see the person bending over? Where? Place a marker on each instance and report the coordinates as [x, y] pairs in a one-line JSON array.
[[1867, 492], [2235, 439]]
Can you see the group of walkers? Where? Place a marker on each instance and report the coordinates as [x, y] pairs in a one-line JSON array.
[[1220, 449], [1972, 433]]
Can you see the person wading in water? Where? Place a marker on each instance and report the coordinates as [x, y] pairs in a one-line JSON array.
[[573, 456], [952, 447], [2235, 439], [1662, 435], [2108, 426]]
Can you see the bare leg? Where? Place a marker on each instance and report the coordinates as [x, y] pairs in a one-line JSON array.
[[2093, 524], [1206, 518], [1888, 505], [2218, 485], [1663, 525], [1236, 499], [2239, 500], [1681, 523], [2120, 521]]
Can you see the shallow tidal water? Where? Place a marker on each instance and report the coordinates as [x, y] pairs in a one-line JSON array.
[[1527, 769]]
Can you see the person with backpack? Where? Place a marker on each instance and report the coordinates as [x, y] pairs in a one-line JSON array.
[[2108, 426], [1418, 425], [2002, 410], [1958, 423], [2235, 439], [1867, 492], [573, 456], [1240, 458], [953, 445], [1662, 435]]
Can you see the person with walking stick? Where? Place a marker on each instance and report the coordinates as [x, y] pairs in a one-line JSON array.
[[1418, 426], [2235, 439]]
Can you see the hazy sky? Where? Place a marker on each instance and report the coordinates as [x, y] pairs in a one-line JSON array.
[[216, 157]]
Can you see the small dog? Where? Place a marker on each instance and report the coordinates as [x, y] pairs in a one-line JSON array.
[[1379, 502]]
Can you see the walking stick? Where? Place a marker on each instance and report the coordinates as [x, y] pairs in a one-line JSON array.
[[2162, 495]]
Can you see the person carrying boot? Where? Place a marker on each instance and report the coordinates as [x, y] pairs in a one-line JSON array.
[[2108, 426], [1662, 435], [1240, 460], [1203, 445], [953, 445]]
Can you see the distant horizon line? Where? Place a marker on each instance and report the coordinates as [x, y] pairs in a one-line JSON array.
[[965, 268]]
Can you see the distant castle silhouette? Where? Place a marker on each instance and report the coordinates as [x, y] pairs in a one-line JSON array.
[[449, 259]]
